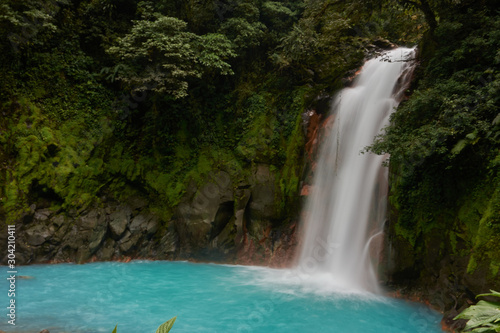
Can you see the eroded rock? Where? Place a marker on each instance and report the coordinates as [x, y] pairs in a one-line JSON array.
[[38, 234], [42, 214], [213, 220], [118, 221], [98, 237], [263, 199], [129, 242]]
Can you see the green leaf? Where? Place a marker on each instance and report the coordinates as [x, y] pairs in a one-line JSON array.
[[471, 136], [166, 326], [114, 331], [480, 314], [459, 147], [483, 330], [492, 293], [496, 121]]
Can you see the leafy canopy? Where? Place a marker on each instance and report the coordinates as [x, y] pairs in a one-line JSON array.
[[27, 23], [160, 55]]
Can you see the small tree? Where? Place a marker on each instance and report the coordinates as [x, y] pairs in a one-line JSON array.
[[159, 54]]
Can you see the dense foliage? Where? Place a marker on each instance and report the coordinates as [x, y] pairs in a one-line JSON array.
[[107, 98]]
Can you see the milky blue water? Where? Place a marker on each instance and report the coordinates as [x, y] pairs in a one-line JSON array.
[[140, 295]]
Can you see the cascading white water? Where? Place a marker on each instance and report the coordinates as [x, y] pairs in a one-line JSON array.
[[345, 212]]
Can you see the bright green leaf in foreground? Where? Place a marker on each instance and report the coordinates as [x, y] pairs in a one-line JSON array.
[[484, 316], [163, 328], [166, 326]]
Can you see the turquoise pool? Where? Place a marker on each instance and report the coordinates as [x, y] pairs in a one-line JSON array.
[[140, 295]]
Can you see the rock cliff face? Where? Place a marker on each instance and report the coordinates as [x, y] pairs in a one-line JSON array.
[[221, 220], [224, 218], [246, 215]]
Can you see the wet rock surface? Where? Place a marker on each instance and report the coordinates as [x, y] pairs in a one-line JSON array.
[[219, 220]]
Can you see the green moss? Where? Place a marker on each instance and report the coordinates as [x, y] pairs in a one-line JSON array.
[[52, 155], [256, 144], [487, 238], [407, 234], [170, 186], [472, 265], [292, 170], [494, 269], [452, 236]]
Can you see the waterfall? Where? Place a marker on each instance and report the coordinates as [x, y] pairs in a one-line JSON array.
[[345, 213]]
